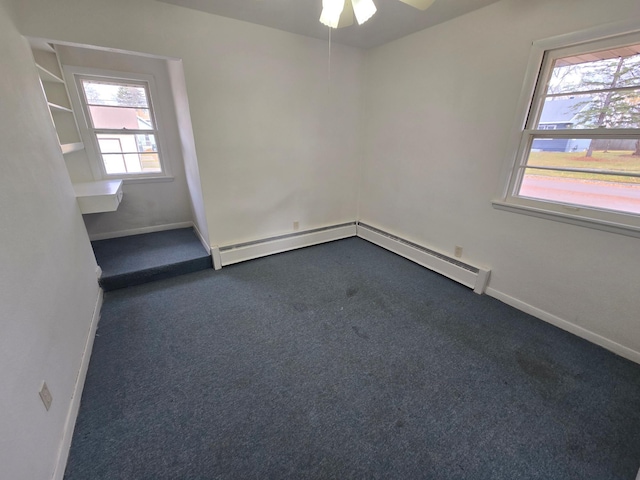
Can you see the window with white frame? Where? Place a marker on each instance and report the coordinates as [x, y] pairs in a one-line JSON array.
[[579, 151], [120, 127]]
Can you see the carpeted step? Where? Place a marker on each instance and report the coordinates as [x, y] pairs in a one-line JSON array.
[[136, 259], [161, 272]]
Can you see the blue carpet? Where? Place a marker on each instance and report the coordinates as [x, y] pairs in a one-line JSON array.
[[137, 259], [345, 361]]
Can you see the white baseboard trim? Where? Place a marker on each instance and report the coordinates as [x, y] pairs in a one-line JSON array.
[[74, 407], [139, 231], [215, 257], [204, 243], [269, 246], [470, 276], [581, 332]]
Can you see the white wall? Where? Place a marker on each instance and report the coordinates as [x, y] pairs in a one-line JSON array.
[[143, 204], [188, 145], [48, 286], [440, 108], [276, 142]]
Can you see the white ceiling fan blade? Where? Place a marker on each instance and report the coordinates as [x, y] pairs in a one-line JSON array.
[[364, 10], [331, 10], [419, 4]]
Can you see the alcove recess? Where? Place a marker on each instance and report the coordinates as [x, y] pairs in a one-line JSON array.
[[93, 196]]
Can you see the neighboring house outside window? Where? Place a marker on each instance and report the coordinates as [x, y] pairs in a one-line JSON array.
[[560, 114], [578, 155]]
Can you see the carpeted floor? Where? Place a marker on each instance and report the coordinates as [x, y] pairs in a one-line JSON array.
[[345, 361]]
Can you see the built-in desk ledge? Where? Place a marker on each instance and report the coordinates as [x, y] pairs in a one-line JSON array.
[[101, 196]]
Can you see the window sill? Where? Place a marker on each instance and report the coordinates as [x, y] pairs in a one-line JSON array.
[[129, 181], [573, 219]]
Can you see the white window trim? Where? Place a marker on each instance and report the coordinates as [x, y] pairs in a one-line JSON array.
[[73, 74], [625, 224]]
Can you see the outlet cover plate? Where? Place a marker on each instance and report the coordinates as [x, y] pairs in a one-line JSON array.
[[45, 396]]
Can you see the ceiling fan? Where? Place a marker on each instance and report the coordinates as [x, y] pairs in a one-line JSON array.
[[340, 13]]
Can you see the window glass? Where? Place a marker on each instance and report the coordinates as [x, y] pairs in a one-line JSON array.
[[563, 173], [114, 94], [121, 118], [581, 146], [118, 117], [141, 153]]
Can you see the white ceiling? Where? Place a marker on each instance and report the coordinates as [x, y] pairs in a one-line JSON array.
[[393, 20]]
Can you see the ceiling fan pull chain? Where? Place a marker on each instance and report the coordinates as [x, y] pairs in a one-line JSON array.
[[329, 64]]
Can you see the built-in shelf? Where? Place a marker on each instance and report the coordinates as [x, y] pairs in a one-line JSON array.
[[55, 91], [40, 44], [71, 147], [97, 197], [47, 76], [59, 108]]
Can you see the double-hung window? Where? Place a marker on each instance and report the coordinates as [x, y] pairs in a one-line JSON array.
[[578, 157], [120, 128]]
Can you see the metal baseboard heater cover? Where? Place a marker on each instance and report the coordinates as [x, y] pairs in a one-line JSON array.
[[241, 252], [473, 277]]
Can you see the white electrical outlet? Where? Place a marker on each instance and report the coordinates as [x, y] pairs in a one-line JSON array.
[[45, 396], [458, 251], [296, 225]]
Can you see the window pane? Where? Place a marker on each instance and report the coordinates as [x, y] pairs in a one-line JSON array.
[[598, 89], [150, 162], [586, 186], [613, 109], [614, 68], [146, 143], [132, 161], [589, 154], [99, 92], [560, 113], [120, 118], [129, 153], [114, 164], [127, 143], [110, 145], [605, 192]]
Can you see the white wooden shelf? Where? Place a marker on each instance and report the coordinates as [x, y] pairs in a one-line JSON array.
[[97, 197], [47, 76], [59, 108], [71, 147], [57, 96]]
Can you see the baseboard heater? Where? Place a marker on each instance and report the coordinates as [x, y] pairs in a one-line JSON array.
[[473, 277], [241, 252]]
